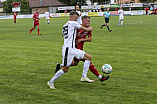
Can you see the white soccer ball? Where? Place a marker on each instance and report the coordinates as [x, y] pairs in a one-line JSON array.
[[107, 68]]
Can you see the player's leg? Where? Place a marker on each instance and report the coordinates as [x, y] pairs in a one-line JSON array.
[[103, 24], [46, 20], [38, 28], [122, 22], [66, 61], [87, 57], [107, 22], [73, 63], [119, 21], [34, 25], [56, 76], [95, 71]]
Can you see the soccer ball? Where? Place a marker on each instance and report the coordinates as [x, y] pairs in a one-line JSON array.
[[107, 68]]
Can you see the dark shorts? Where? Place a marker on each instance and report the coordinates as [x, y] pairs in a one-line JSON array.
[[106, 20]]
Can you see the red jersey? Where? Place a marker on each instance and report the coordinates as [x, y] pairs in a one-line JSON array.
[[36, 17], [81, 34], [15, 14]]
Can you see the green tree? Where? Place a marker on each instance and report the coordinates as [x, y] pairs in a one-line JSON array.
[[24, 6], [7, 6]]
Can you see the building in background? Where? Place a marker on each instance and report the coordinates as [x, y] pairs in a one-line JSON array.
[[44, 5]]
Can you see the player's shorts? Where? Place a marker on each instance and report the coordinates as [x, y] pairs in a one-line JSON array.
[[106, 20], [69, 53], [14, 18], [47, 18], [121, 17], [36, 23]]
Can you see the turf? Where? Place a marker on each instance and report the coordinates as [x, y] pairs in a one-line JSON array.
[[27, 62]]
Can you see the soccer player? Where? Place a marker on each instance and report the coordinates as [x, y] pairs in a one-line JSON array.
[[35, 21], [15, 14], [80, 39], [107, 15], [79, 12], [151, 8], [69, 51], [121, 16], [47, 19]]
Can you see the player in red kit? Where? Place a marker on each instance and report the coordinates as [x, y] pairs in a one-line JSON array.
[[15, 14], [35, 21], [80, 39]]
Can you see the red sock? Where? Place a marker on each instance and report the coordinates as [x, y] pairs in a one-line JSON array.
[[38, 31], [72, 63], [32, 29], [93, 69]]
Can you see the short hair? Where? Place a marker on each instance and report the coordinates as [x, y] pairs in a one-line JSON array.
[[73, 13], [36, 9], [85, 17]]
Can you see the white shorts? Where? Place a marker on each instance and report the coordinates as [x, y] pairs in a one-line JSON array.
[[69, 53], [47, 18], [121, 17]]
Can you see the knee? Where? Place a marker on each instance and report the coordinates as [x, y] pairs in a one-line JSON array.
[[65, 69], [90, 57]]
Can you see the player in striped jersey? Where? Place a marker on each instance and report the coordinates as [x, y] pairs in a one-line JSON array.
[[69, 51]]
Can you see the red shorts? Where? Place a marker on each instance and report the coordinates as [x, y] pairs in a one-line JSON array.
[[36, 23]]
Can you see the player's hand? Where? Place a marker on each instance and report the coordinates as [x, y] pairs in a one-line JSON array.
[[78, 41], [90, 28]]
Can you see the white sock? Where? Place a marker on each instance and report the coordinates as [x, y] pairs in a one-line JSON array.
[[85, 68], [122, 23], [48, 21], [100, 76], [57, 75], [45, 21]]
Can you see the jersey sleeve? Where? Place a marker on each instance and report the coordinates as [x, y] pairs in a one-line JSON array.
[[89, 33], [76, 25]]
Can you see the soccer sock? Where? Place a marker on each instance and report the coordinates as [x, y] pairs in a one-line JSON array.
[[38, 30], [121, 22], [45, 21], [85, 68], [48, 21], [100, 76], [72, 63], [93, 69], [57, 75], [103, 25], [108, 27], [32, 29]]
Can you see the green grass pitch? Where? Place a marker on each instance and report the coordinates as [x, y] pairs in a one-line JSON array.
[[27, 62]]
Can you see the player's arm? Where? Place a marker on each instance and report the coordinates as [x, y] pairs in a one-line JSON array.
[[86, 29], [104, 15], [89, 39]]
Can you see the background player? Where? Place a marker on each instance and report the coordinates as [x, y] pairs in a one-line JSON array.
[[79, 12], [35, 21], [121, 16], [47, 17], [80, 39], [107, 15], [69, 51], [15, 14]]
